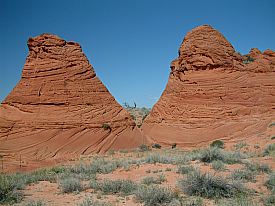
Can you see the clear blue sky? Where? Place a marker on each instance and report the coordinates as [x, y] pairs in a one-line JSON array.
[[130, 43]]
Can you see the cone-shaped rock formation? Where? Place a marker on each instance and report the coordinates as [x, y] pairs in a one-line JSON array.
[[60, 106], [213, 93]]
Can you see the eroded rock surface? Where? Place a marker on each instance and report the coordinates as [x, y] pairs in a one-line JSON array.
[[59, 106], [213, 93]]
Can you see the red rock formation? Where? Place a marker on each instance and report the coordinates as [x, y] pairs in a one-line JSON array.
[[213, 93], [59, 106]]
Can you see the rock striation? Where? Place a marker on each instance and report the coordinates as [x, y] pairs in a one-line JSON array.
[[213, 92], [60, 107]]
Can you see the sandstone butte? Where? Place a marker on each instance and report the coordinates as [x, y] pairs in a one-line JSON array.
[[59, 107], [213, 93]]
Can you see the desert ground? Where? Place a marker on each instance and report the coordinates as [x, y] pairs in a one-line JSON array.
[[220, 174]]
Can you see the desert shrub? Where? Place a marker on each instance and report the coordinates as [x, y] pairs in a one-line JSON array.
[[156, 146], [217, 143], [269, 150], [237, 201], [257, 168], [193, 201], [35, 203], [270, 183], [143, 148], [270, 200], [70, 184], [106, 126], [272, 138], [90, 202], [240, 145], [248, 60], [185, 169], [154, 195], [174, 145], [211, 154], [153, 180], [244, 175], [105, 166], [165, 159], [124, 187], [271, 124], [209, 186], [10, 186], [218, 165]]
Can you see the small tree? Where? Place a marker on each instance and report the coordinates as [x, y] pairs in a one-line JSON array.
[[217, 143]]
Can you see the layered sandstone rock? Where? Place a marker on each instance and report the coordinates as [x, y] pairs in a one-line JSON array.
[[60, 106], [213, 93]]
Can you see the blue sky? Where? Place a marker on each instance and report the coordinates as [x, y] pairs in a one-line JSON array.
[[130, 43]]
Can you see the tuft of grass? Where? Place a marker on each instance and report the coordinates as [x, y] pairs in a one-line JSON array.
[[209, 186], [270, 150], [90, 202], [186, 169], [70, 184], [193, 201], [124, 187], [218, 165], [243, 175], [152, 180], [154, 195], [218, 144], [270, 183], [35, 203], [258, 168], [237, 201], [240, 145]]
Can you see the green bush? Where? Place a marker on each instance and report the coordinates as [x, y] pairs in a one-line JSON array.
[[70, 184], [90, 202], [185, 169], [124, 187], [248, 60], [209, 186], [238, 201], [270, 183], [218, 144], [212, 154], [244, 175], [240, 145], [258, 168], [154, 195], [35, 203], [10, 186], [270, 150], [156, 146], [270, 200], [152, 180], [218, 165]]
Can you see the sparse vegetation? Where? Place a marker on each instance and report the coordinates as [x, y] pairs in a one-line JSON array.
[[270, 150], [156, 146], [270, 183], [124, 187], [70, 184], [218, 165], [217, 143], [209, 186], [90, 202], [106, 126], [143, 148], [240, 145], [248, 60], [174, 145], [237, 201], [270, 200], [155, 195], [185, 169], [153, 180], [35, 203]]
